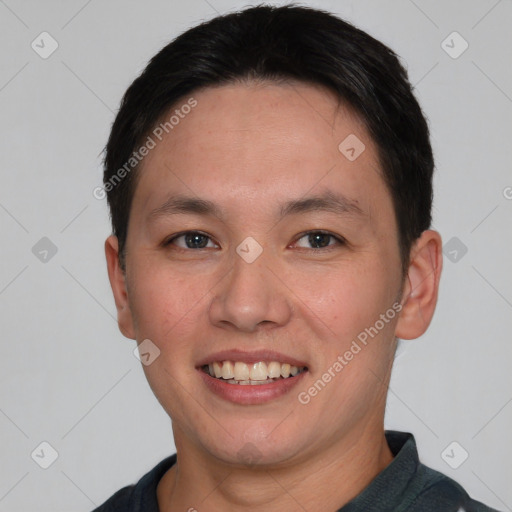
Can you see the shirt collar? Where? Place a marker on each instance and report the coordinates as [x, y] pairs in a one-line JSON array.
[[383, 493], [386, 491]]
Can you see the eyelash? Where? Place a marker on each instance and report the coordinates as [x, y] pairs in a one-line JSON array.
[[338, 239]]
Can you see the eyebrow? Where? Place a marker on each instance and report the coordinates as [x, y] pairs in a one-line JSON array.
[[185, 204], [327, 202]]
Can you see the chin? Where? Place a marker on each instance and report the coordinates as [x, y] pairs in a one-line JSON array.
[[261, 448]]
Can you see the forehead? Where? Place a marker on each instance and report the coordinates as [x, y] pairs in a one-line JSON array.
[[262, 142]]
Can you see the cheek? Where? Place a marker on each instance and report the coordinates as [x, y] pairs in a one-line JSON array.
[[164, 303], [167, 308], [344, 301]]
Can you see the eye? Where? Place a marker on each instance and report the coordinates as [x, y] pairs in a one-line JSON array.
[[191, 240], [318, 240]]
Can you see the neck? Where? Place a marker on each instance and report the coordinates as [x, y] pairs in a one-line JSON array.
[[326, 481]]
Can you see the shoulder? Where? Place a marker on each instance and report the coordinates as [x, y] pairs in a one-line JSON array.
[[140, 496], [117, 502], [439, 492], [410, 486]]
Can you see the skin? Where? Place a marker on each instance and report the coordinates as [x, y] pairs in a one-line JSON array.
[[249, 148]]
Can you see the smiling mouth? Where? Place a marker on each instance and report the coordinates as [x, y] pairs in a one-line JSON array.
[[254, 374]]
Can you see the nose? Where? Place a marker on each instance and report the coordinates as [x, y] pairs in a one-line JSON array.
[[250, 297]]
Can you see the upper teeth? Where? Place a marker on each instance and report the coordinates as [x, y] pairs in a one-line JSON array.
[[261, 370]]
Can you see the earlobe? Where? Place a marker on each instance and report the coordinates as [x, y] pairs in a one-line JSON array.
[[117, 278], [421, 286]]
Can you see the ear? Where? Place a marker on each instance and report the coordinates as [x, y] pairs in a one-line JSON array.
[[117, 279], [421, 286]]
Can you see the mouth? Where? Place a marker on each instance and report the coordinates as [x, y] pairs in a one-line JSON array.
[[251, 378], [252, 374]]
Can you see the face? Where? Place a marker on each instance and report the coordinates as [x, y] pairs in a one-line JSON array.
[[256, 247]]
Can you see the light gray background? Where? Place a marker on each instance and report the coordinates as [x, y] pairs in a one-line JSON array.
[[68, 377]]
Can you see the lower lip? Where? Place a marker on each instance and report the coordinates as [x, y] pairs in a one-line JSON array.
[[251, 394]]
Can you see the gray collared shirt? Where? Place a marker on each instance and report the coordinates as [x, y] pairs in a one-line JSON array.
[[404, 485]]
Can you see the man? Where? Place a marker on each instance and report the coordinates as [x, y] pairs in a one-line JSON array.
[[269, 177]]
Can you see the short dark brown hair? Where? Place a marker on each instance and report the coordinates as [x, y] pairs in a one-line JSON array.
[[275, 43]]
